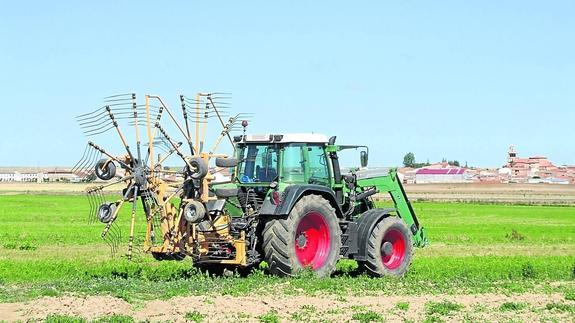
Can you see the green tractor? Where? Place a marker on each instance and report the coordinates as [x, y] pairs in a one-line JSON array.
[[290, 204]]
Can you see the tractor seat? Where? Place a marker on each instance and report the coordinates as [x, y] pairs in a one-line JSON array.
[[266, 174]]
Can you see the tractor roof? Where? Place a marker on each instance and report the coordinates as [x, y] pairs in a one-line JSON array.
[[284, 138]]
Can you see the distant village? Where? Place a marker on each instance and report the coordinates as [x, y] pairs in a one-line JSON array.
[[529, 170]]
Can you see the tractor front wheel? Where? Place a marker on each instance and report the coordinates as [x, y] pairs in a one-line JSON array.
[[309, 237], [389, 249]]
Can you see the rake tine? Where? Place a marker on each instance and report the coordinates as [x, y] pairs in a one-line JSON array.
[[82, 168], [221, 121], [94, 123], [118, 99], [89, 113], [86, 150], [117, 95], [92, 116], [97, 132], [182, 100]]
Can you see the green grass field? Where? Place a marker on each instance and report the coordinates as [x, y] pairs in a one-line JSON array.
[[47, 248]]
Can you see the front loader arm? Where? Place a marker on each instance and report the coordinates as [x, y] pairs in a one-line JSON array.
[[391, 184]]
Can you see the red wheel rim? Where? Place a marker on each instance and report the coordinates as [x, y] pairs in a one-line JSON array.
[[312, 240], [394, 259]]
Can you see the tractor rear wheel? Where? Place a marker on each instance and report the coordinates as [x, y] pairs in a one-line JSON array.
[[309, 237], [389, 249]]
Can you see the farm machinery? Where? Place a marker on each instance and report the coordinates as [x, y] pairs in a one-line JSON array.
[[280, 198]]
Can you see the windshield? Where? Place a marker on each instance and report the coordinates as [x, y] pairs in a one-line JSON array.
[[259, 163]]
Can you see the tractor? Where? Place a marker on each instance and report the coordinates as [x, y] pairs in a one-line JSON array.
[[285, 199], [299, 210]]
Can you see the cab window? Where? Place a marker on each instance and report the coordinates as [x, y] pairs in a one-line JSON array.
[[318, 171], [304, 164], [258, 164]]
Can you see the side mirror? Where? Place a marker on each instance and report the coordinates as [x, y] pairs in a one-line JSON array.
[[226, 162], [363, 157]]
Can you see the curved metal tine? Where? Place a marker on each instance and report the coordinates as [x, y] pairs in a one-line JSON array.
[[118, 95], [113, 238], [97, 199], [192, 102], [94, 129], [140, 122], [91, 117], [216, 94], [90, 166], [83, 168], [86, 149], [101, 200], [91, 200], [127, 107], [222, 99], [94, 122], [121, 112], [92, 133], [222, 105], [118, 100], [89, 113], [143, 107], [115, 105]]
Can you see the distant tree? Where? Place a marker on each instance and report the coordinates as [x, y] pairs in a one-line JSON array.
[[444, 160], [409, 159], [90, 178], [453, 163]]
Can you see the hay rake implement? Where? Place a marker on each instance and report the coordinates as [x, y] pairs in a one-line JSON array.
[[141, 171]]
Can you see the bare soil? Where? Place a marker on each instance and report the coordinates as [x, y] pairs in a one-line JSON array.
[[484, 307]]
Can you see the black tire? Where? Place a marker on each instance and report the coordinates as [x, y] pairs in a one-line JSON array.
[[226, 192], [105, 169], [201, 168], [279, 238], [226, 162], [398, 259]]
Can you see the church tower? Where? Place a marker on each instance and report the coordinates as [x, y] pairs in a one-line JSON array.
[[511, 155]]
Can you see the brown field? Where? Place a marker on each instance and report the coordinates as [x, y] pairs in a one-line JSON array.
[[321, 308], [493, 193]]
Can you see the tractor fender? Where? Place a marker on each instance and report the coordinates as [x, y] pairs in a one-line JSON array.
[[365, 223], [293, 193]]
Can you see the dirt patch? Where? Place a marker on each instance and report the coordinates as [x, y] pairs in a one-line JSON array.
[[296, 308]]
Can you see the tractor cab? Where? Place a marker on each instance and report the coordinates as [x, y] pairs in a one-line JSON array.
[[290, 159], [268, 163]]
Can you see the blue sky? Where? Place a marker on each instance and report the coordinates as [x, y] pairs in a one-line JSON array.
[[454, 79]]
